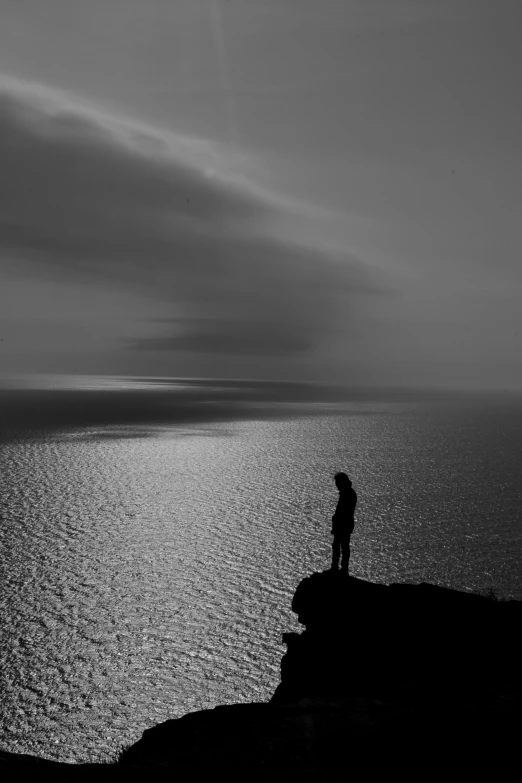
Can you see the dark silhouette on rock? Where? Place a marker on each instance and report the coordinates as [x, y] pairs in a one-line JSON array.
[[343, 522]]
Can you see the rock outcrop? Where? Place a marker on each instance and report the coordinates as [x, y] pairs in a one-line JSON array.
[[402, 642]]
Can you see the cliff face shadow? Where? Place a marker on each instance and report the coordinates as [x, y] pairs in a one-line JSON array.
[[400, 642]]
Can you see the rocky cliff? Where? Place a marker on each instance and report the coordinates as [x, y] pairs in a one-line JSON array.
[[401, 679], [402, 642]]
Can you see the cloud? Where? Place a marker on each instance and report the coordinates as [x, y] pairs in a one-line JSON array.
[[91, 197], [226, 336]]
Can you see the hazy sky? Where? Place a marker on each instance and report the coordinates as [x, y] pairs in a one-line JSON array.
[[298, 189]]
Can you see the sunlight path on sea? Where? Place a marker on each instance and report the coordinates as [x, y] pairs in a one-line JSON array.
[[147, 577]]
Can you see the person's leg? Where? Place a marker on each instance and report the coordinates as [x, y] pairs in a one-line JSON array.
[[336, 552], [345, 544]]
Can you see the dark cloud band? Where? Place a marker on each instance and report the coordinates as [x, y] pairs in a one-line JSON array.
[[95, 199]]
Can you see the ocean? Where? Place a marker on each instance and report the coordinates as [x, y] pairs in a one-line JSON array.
[[153, 533]]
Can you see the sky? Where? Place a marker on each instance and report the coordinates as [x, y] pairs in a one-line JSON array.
[[298, 190]]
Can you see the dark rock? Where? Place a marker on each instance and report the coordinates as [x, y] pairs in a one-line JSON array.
[[316, 738], [401, 642]]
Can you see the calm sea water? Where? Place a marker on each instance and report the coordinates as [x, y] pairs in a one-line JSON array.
[[148, 572]]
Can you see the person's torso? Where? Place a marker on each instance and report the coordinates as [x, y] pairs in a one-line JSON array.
[[343, 517]]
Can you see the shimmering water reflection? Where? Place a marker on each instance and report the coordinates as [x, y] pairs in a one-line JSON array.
[[144, 577]]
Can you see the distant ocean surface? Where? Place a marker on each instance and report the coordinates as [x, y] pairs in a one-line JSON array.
[[152, 536]]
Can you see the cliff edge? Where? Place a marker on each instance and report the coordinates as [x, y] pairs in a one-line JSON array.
[[399, 642]]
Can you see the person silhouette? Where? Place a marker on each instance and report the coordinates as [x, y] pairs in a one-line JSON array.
[[343, 522]]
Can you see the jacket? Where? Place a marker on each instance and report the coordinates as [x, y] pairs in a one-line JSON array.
[[343, 521]]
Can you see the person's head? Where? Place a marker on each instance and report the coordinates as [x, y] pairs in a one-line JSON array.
[[342, 481]]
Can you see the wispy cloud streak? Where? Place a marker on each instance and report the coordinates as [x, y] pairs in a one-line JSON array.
[[88, 196]]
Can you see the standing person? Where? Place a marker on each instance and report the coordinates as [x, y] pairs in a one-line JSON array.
[[343, 522]]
